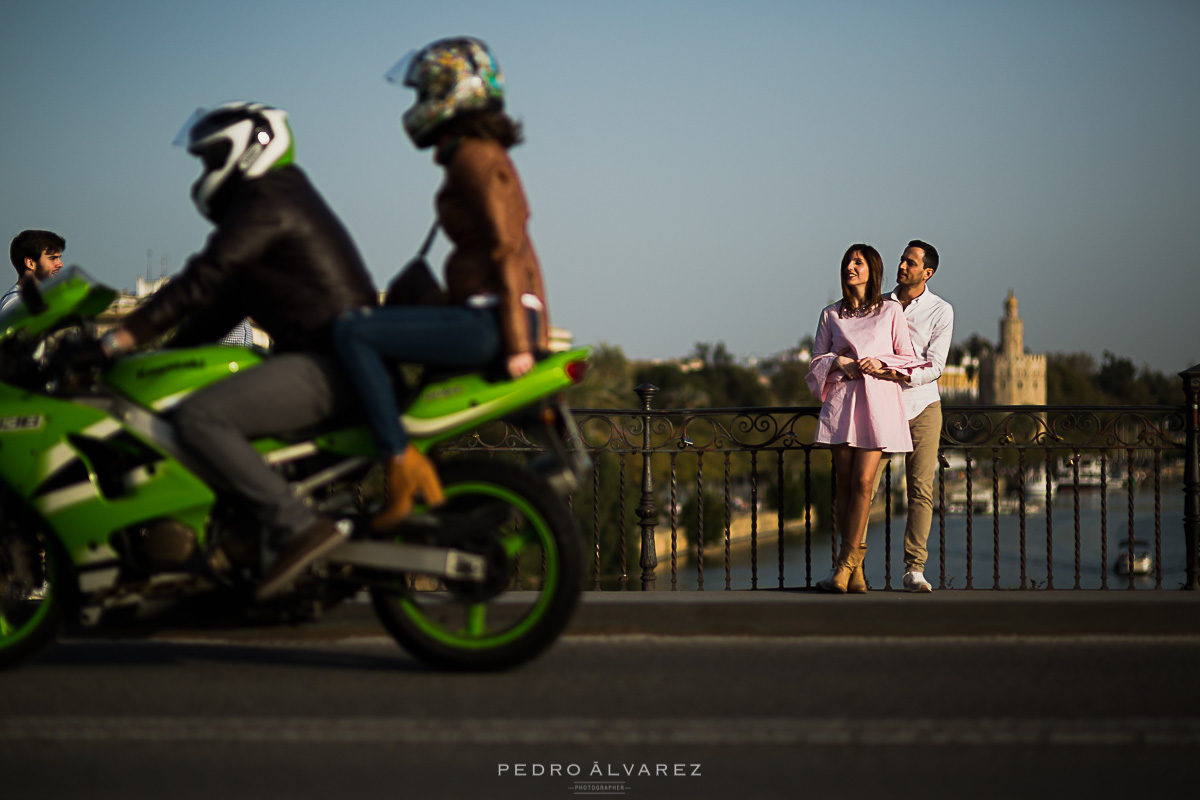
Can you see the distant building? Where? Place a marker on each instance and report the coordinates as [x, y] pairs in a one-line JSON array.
[[960, 380], [560, 339], [126, 302], [1010, 376]]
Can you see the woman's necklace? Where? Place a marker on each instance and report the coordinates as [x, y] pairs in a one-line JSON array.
[[850, 313]]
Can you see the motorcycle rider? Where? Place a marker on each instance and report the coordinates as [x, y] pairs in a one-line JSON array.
[[278, 254], [496, 301], [34, 253]]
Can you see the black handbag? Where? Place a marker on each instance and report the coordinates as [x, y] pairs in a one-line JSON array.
[[415, 284]]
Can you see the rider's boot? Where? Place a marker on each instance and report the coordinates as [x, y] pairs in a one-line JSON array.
[[297, 552], [408, 474]]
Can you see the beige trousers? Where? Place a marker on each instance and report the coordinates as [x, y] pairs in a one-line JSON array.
[[920, 467]]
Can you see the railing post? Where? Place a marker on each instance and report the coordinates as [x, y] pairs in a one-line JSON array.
[[646, 510], [1191, 471]]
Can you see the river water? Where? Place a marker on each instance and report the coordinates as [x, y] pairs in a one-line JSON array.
[[986, 538]]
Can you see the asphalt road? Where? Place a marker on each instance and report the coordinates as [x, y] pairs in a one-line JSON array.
[[1088, 716]]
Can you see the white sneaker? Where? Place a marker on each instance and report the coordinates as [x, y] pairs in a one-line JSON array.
[[915, 582]]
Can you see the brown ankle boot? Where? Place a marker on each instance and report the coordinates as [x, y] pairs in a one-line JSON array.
[[857, 584], [848, 560], [408, 474]]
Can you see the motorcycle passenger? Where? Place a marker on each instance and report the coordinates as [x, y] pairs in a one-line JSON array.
[[496, 306], [36, 253], [278, 254]]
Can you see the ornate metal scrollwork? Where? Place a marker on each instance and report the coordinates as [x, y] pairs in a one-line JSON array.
[[751, 429], [1062, 427]]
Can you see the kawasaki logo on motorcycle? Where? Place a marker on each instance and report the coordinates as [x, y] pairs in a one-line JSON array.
[[165, 368], [26, 422]]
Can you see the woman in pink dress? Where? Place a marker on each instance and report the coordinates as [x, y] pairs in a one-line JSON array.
[[862, 351]]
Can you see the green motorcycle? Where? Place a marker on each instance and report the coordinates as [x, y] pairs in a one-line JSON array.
[[105, 519]]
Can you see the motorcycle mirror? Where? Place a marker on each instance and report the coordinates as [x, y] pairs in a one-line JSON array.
[[31, 293]]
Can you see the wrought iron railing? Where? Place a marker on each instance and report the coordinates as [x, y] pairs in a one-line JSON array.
[[1050, 489]]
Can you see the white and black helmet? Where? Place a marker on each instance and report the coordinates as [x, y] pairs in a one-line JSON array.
[[236, 141]]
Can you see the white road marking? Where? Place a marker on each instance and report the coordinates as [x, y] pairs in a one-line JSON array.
[[925, 732]]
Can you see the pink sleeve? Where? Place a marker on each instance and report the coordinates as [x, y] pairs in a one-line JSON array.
[[903, 357], [818, 377], [823, 360]]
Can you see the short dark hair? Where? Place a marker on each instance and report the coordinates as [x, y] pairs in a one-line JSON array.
[[32, 244], [931, 253]]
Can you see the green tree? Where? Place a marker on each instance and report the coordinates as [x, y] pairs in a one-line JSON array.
[[1124, 384], [1117, 378], [1165, 390], [975, 347], [727, 383], [730, 385], [676, 388], [789, 387], [608, 383], [794, 497], [609, 522], [1075, 379], [713, 522], [1069, 380]]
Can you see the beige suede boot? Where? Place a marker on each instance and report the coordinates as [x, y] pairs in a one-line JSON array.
[[846, 564], [858, 581]]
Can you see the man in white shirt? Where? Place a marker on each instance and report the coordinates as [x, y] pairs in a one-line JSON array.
[[241, 335], [930, 324], [36, 252]]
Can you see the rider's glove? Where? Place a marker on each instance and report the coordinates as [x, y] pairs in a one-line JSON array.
[[110, 345], [90, 353]]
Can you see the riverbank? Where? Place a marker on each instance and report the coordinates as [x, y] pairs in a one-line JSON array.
[[1062, 546]]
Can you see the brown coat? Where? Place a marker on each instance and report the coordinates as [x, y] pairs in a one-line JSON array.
[[482, 208]]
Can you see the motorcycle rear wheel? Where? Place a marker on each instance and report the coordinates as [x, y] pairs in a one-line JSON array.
[[534, 546], [31, 593]]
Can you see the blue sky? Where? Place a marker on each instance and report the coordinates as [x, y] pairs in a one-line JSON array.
[[695, 169]]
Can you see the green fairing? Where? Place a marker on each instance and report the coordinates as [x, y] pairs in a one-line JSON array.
[[24, 450], [162, 378], [71, 293], [456, 406], [172, 493], [443, 410], [32, 459]]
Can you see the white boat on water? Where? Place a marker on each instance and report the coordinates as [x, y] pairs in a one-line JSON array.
[[1139, 563], [1035, 483], [1091, 474], [957, 503]]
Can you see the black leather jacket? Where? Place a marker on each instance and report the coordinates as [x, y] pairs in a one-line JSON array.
[[280, 256]]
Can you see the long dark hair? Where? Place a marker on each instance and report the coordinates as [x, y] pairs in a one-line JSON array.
[[484, 125], [874, 283]]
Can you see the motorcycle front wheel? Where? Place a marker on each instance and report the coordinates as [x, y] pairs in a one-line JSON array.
[[533, 548], [31, 592]]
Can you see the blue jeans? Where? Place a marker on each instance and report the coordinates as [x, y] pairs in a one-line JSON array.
[[367, 340]]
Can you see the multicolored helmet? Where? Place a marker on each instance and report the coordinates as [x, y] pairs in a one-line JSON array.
[[451, 76], [236, 141]]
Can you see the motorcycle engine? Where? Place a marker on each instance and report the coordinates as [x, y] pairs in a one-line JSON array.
[[161, 544]]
